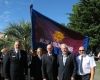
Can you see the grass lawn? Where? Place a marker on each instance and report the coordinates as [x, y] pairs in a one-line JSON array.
[[97, 72]]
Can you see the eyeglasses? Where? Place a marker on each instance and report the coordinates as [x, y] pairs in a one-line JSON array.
[[81, 50]]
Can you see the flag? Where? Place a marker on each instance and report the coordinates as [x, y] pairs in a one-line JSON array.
[[45, 31]]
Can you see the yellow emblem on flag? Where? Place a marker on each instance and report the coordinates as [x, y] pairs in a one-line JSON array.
[[58, 36]]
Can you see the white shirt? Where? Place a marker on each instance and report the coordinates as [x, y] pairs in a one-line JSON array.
[[64, 59], [88, 63], [16, 50], [49, 54]]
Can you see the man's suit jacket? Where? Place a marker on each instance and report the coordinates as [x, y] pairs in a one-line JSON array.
[[49, 67], [65, 72], [3, 65], [17, 64]]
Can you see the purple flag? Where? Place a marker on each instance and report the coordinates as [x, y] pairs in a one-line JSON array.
[[48, 31]]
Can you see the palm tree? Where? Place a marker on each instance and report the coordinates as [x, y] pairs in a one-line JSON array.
[[22, 32], [4, 42]]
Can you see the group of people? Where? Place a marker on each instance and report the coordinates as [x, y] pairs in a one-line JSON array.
[[46, 66]]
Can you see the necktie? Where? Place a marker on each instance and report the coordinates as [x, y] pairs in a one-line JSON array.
[[18, 55], [81, 68]]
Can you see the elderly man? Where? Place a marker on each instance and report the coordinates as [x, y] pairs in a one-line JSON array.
[[16, 62], [49, 64], [66, 62], [85, 65]]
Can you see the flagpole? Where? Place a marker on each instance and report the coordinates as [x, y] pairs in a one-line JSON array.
[[30, 2], [31, 5], [33, 26]]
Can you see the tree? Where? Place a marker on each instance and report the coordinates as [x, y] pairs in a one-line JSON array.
[[86, 20], [22, 32], [4, 42]]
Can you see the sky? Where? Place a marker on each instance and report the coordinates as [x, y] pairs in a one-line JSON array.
[[15, 11]]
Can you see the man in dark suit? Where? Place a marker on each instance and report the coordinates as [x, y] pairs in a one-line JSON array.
[[16, 62], [66, 64], [49, 64], [3, 62]]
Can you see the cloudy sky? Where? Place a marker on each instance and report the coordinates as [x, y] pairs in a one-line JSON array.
[[14, 11]]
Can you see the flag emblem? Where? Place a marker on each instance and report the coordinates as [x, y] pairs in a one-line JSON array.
[[58, 36]]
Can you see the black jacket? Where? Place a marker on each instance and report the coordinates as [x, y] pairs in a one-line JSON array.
[[17, 65], [65, 72], [4, 71], [35, 68], [49, 67]]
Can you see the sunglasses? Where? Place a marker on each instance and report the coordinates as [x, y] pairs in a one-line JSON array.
[[81, 50]]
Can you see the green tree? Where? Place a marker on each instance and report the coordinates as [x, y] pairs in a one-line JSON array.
[[22, 32], [4, 42], [85, 19]]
